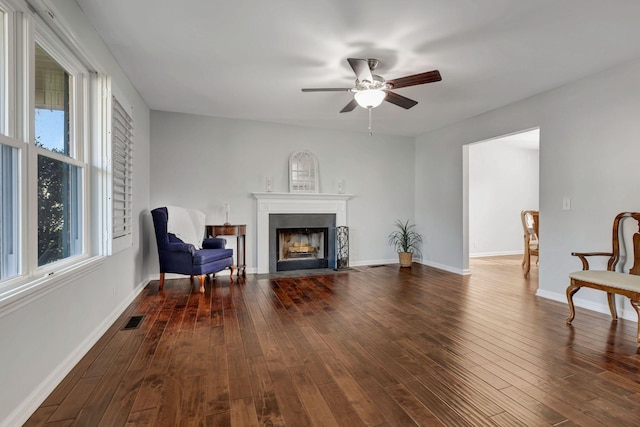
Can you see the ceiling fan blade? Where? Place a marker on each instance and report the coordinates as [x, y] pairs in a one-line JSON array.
[[350, 106], [361, 68], [416, 79], [328, 89], [399, 100]]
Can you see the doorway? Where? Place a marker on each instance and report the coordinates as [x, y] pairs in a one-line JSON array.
[[502, 179]]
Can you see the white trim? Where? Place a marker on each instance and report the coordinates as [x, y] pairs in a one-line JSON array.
[[463, 272], [372, 262], [29, 405], [302, 196], [21, 294], [488, 254]]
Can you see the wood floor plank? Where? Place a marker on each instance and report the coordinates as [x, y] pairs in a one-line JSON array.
[[267, 408], [356, 396], [373, 346], [243, 413], [316, 407], [217, 387], [144, 418], [412, 406], [74, 402]]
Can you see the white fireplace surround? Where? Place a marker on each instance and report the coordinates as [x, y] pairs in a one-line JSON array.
[[294, 203]]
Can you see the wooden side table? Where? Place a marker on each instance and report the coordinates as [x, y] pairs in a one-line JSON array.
[[240, 231]]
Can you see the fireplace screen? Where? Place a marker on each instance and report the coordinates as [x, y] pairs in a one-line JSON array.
[[301, 244]]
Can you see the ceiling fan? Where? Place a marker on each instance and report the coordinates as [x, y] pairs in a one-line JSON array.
[[370, 89]]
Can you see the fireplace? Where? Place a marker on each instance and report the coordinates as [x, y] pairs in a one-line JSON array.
[[301, 241], [270, 204]]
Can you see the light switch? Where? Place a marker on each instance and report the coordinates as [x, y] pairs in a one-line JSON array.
[[566, 203]]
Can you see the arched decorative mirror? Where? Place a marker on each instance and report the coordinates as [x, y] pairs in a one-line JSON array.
[[303, 172]]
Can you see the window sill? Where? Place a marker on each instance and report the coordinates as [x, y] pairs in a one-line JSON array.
[[21, 294]]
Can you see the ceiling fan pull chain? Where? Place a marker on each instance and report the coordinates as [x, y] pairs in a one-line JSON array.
[[370, 130]]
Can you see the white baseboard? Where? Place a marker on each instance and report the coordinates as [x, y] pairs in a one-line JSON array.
[[488, 254], [419, 261], [364, 263], [28, 406], [463, 272]]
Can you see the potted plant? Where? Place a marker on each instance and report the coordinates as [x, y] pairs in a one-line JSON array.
[[406, 241]]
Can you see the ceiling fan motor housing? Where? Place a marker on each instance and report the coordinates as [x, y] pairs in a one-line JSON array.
[[378, 83]]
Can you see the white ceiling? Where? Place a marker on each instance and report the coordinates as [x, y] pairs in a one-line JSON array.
[[248, 59]]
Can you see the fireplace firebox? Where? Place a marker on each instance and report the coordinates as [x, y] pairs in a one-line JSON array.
[[301, 241], [301, 248]]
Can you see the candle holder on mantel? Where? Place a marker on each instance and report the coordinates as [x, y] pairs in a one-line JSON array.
[[227, 210]]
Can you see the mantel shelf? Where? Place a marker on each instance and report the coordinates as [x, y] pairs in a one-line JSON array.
[[303, 196]]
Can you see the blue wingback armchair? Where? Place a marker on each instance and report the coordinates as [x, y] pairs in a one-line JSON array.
[[179, 257]]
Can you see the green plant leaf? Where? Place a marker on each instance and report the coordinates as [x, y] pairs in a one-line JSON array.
[[405, 239]]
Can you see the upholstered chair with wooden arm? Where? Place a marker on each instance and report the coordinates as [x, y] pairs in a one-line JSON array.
[[194, 257]]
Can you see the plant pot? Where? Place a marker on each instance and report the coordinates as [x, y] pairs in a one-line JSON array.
[[405, 258]]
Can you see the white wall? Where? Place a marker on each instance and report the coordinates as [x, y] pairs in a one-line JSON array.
[[588, 150], [503, 180], [204, 162], [45, 338]]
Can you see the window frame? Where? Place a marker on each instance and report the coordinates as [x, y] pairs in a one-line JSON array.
[[79, 113], [25, 25]]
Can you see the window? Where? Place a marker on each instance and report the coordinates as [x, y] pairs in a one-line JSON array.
[[10, 230], [122, 167], [60, 179], [9, 225], [46, 206], [52, 103]]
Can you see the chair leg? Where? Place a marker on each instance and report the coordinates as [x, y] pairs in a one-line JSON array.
[[636, 305], [612, 305], [571, 290], [201, 279], [231, 275], [161, 284]]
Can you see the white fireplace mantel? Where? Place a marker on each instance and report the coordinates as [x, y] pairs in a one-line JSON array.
[[295, 203]]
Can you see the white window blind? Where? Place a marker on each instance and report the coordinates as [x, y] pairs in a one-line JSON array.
[[122, 171]]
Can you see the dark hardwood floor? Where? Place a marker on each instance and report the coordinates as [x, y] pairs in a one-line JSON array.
[[377, 346]]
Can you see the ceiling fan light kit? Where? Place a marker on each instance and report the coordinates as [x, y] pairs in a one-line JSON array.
[[370, 98]]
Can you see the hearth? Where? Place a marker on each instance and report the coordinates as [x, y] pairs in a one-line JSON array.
[[301, 241]]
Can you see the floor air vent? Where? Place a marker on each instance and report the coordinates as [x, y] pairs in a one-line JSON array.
[[133, 323]]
